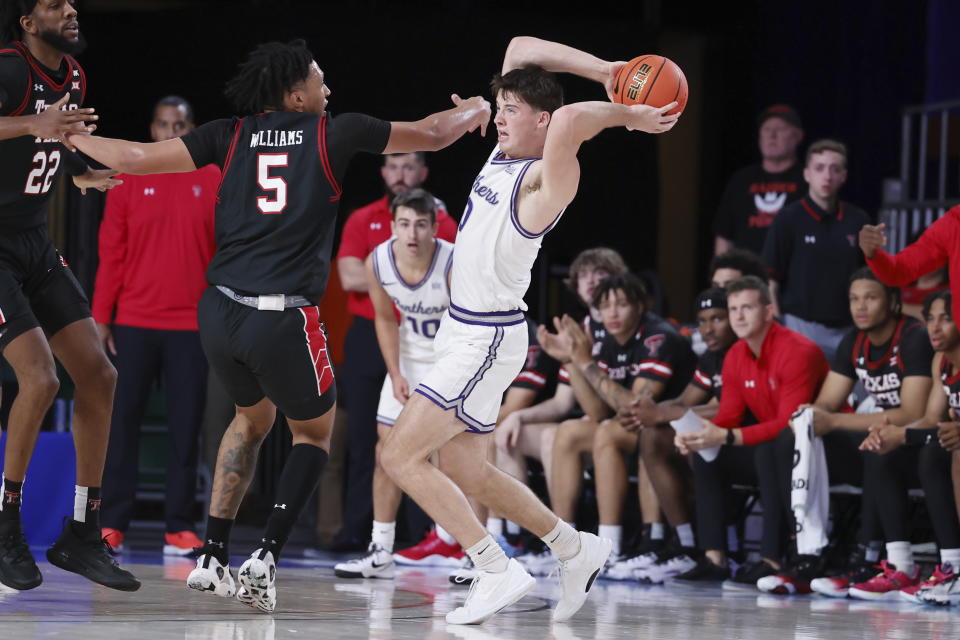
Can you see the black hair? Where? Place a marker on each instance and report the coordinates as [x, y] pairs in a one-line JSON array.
[[10, 13], [178, 102], [631, 285], [421, 156], [893, 293], [943, 294], [269, 71], [420, 200], [534, 85], [746, 262]]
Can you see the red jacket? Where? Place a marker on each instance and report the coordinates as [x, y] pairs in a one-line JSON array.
[[366, 228], [156, 240], [788, 373], [939, 245]]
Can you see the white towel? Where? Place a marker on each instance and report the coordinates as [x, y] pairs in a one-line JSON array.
[[690, 422], [810, 486]]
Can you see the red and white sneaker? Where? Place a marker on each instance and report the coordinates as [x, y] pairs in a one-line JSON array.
[[113, 538], [432, 551], [838, 586], [942, 574], [886, 584], [181, 543], [795, 580]]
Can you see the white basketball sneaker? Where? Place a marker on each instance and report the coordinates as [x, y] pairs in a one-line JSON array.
[[491, 592], [376, 564], [578, 574], [210, 575], [257, 576]]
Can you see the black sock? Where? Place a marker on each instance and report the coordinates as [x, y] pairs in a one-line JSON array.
[[300, 476], [10, 503], [86, 510], [217, 541]]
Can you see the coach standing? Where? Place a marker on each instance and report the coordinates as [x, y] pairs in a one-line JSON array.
[[363, 367], [156, 240], [812, 251]]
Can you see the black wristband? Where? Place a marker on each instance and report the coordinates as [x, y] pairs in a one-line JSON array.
[[920, 437], [731, 438]]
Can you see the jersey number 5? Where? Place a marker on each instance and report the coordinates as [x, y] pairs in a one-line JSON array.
[[265, 161], [45, 167]]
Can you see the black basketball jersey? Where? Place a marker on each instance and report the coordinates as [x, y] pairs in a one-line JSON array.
[[707, 375], [656, 352], [540, 370], [29, 165], [277, 204], [882, 368], [950, 379]]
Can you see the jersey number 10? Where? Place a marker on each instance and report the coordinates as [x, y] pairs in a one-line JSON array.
[[427, 328]]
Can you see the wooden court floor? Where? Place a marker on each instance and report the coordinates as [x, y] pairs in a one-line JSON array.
[[312, 603]]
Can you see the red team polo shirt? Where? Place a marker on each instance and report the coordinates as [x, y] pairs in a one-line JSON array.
[[939, 245], [366, 228], [788, 373], [156, 240]]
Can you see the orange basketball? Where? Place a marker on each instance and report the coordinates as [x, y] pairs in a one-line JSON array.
[[653, 80]]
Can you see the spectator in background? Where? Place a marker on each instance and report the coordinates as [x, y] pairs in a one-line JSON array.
[[755, 194], [812, 251], [363, 366], [736, 263], [768, 372], [156, 240]]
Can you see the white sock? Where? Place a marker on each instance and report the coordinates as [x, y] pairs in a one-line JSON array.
[[495, 527], [513, 528], [901, 555], [80, 503], [563, 540], [951, 556], [685, 533], [733, 540], [487, 555], [612, 532], [384, 534], [656, 531], [445, 535]]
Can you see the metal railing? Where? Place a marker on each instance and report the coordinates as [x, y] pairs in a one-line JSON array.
[[928, 185]]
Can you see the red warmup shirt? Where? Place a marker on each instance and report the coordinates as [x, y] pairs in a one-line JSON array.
[[156, 240], [788, 373], [366, 228], [939, 245]]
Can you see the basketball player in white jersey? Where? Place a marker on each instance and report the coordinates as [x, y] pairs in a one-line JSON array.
[[409, 272], [520, 193]]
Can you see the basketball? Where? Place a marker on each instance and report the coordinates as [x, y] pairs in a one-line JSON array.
[[653, 80]]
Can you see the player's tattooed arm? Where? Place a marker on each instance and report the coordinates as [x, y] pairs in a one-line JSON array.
[[612, 393]]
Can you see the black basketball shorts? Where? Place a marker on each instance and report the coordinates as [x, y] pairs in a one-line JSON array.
[[281, 355], [37, 288]]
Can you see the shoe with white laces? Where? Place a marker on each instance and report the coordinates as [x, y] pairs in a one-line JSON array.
[[257, 577], [491, 592], [538, 564], [578, 574], [670, 565], [376, 564], [945, 594], [464, 575], [942, 573], [625, 567], [212, 576]]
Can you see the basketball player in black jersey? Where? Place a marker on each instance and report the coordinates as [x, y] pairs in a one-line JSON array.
[[44, 314], [890, 354], [259, 323]]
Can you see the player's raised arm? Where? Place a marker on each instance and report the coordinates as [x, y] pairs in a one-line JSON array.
[[441, 129], [570, 127], [553, 56], [135, 158]]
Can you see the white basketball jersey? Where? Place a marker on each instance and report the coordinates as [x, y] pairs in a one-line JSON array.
[[421, 304], [494, 254]]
